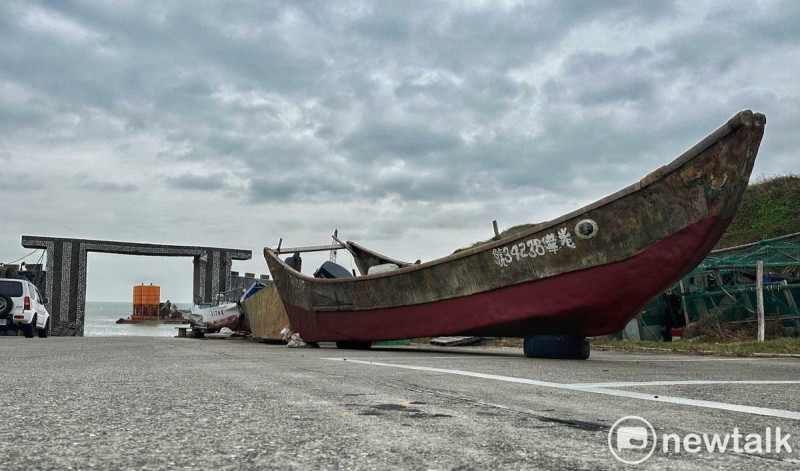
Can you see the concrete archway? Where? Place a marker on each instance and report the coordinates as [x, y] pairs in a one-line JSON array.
[[65, 284]]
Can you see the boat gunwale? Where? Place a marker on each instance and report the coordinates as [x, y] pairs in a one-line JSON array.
[[740, 119]]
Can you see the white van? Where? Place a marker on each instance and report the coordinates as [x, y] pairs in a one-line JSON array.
[[22, 306]]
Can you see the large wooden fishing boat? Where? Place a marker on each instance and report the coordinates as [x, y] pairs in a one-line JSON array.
[[583, 274]]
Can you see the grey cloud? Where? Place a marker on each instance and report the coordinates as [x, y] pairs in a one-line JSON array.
[[15, 175], [384, 25], [380, 140], [416, 186], [191, 181], [773, 23], [225, 144], [108, 187], [730, 36], [300, 187], [591, 78]]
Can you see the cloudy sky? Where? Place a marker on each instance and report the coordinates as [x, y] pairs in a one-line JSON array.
[[409, 126]]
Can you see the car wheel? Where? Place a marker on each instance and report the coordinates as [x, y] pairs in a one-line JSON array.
[[29, 329], [5, 304], [44, 332]]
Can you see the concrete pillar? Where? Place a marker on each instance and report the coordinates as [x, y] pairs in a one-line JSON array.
[[65, 286], [199, 275]]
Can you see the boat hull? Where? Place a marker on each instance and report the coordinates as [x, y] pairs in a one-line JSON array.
[[216, 317], [587, 302], [586, 273]]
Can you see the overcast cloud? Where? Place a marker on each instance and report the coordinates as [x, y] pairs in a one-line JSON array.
[[409, 126]]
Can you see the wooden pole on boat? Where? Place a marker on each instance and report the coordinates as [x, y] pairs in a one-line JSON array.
[[313, 248], [760, 298], [496, 232], [333, 252]]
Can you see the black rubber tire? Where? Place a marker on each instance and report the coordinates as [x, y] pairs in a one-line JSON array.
[[29, 329], [354, 345], [562, 347], [43, 333], [6, 305]]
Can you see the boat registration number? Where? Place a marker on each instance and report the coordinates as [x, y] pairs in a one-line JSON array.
[[549, 244]]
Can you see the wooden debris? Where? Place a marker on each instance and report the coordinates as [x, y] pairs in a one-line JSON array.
[[266, 314], [454, 341]]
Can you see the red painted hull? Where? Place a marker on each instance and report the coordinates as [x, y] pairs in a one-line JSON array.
[[587, 302]]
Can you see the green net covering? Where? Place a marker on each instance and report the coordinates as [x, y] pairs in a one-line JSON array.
[[725, 282], [783, 253], [724, 285]]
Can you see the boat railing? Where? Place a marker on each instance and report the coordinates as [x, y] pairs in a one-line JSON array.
[[313, 248]]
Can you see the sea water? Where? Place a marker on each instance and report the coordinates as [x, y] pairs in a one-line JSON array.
[[101, 321]]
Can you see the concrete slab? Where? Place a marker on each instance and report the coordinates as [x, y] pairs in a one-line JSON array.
[[169, 403]]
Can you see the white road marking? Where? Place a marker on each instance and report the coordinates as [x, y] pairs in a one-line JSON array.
[[784, 414], [634, 384], [371, 358], [597, 388], [681, 360]]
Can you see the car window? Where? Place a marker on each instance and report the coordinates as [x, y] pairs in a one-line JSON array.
[[11, 288], [33, 292]]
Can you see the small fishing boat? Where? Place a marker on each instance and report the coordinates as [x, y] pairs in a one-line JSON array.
[[206, 318], [586, 273]]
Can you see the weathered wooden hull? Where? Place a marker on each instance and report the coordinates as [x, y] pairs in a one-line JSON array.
[[586, 273]]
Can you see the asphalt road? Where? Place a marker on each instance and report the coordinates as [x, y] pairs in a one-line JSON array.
[[161, 403]]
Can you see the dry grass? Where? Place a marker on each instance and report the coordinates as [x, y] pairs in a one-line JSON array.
[[779, 346], [713, 328]]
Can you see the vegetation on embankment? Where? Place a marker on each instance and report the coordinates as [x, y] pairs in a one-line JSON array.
[[770, 208], [779, 346]]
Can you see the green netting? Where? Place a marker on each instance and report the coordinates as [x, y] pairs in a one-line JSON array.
[[740, 305], [724, 285], [775, 253]]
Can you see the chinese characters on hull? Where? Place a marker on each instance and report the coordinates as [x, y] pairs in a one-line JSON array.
[[549, 244]]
